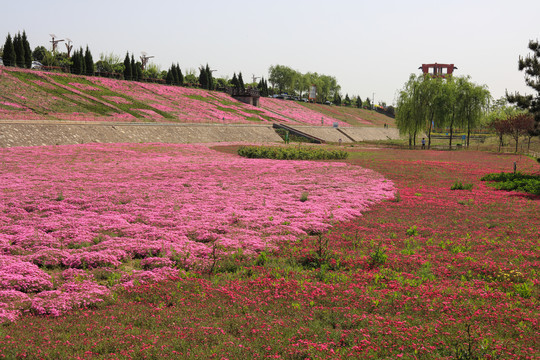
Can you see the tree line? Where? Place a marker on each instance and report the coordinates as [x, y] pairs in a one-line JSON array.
[[452, 102], [456, 102], [17, 52]]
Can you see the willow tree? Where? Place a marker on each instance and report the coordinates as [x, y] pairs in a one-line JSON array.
[[473, 101], [410, 111]]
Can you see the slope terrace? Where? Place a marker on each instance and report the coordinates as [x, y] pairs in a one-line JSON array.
[[36, 95]]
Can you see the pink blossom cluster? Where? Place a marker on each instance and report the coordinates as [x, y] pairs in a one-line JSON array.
[[298, 113], [90, 207], [84, 87], [136, 100]]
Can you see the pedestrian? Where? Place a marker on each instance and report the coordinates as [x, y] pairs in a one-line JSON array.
[[423, 143]]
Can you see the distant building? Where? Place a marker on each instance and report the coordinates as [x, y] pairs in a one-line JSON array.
[[438, 70]]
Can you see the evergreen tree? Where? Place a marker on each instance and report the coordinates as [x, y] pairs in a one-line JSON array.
[[27, 51], [347, 100], [77, 60], [19, 50], [210, 78], [234, 82], [169, 79], [138, 70], [358, 102], [133, 69], [174, 75], [241, 82], [88, 62], [179, 75], [530, 65], [127, 68], [203, 78]]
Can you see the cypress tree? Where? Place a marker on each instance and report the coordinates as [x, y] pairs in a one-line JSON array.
[[88, 62], [180, 75], [73, 67], [27, 51], [127, 68], [174, 75], [358, 102], [9, 52], [138, 70], [81, 61], [78, 62], [241, 82], [19, 50], [133, 69], [170, 78], [210, 78], [234, 81], [203, 78]]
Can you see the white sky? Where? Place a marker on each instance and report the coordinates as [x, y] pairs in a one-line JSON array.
[[369, 46]]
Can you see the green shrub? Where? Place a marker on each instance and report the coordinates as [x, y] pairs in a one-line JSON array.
[[412, 231], [459, 186], [291, 153], [377, 257], [515, 182]]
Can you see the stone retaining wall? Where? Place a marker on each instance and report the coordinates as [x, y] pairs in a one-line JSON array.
[[38, 133]]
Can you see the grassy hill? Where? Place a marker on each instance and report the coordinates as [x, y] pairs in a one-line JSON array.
[[36, 95]]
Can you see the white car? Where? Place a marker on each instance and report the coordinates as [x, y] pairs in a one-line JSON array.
[[36, 65]]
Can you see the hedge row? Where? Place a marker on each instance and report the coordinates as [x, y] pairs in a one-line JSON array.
[[291, 153]]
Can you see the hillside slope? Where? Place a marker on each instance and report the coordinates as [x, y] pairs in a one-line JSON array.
[[36, 95]]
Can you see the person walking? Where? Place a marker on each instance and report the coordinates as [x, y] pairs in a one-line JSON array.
[[423, 143]]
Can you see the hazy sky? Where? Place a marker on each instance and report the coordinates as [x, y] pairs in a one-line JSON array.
[[369, 46]]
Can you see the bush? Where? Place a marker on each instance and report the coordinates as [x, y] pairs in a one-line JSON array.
[[459, 186], [515, 182], [291, 153]]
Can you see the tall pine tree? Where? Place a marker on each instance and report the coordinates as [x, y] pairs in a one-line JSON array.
[[234, 82], [241, 85], [169, 79], [27, 51], [88, 62], [77, 60], [19, 50], [138, 70], [9, 58], [203, 78], [358, 102], [179, 74], [133, 69], [210, 78], [127, 68]]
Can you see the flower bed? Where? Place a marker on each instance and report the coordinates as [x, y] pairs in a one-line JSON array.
[[103, 208]]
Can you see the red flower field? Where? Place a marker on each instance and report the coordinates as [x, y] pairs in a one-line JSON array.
[[432, 273]]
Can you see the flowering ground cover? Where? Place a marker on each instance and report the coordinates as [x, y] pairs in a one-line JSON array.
[[124, 214], [299, 113], [432, 273], [36, 95], [351, 115]]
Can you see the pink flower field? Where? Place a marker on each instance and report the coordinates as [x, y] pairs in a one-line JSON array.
[[35, 95], [78, 221], [299, 113]]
